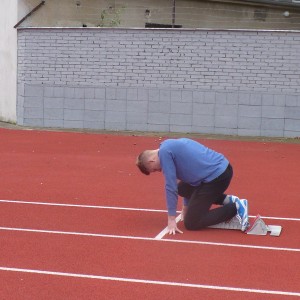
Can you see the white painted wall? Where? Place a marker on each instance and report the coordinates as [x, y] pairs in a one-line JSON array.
[[8, 60]]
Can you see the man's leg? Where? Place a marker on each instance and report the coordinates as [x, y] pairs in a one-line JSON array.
[[199, 214]]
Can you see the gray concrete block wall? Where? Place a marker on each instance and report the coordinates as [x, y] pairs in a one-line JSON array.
[[228, 82], [162, 110]]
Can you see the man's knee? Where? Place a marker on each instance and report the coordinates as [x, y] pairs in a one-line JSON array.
[[189, 225]]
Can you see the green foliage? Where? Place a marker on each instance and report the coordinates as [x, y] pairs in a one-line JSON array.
[[111, 17]]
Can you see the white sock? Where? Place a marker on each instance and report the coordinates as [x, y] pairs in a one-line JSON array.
[[226, 200], [237, 205]]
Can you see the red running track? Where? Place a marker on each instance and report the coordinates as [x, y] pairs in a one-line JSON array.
[[94, 169]]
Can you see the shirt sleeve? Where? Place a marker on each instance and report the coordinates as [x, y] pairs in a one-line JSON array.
[[169, 171]]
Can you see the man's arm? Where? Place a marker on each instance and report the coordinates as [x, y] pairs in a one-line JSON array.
[[169, 171]]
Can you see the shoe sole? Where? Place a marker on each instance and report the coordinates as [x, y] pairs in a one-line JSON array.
[[245, 223]]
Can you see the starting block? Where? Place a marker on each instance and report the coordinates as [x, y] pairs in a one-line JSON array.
[[258, 227]]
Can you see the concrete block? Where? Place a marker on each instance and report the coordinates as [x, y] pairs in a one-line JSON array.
[[181, 107], [121, 94], [180, 128], [33, 113], [226, 131], [138, 126], [292, 125], [176, 96], [267, 99], [291, 134], [203, 129], [20, 100], [21, 89], [272, 124], [111, 93], [244, 98], [165, 95], [158, 118], [143, 94], [33, 101], [136, 118], [54, 123], [271, 133], [114, 125], [203, 121], [221, 98], [79, 93], [58, 91], [249, 123], [34, 122], [137, 106], [159, 127], [153, 95], [203, 109], [94, 104], [53, 113], [231, 98], [74, 103], [33, 90], [186, 96], [255, 99], [226, 110], [116, 105], [292, 100], [209, 97], [279, 100], [228, 122], [276, 112], [73, 124], [69, 92], [73, 114], [53, 102], [198, 97], [292, 112], [249, 111], [93, 115], [20, 112], [89, 93], [96, 125], [100, 93], [159, 107], [115, 116], [180, 120], [132, 94], [248, 132]]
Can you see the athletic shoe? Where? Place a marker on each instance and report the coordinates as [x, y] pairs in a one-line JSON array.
[[233, 199], [242, 213]]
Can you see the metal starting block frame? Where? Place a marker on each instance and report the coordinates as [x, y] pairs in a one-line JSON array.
[[258, 227]]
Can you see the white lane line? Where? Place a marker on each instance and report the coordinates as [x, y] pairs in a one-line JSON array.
[[81, 206], [149, 239], [119, 208], [153, 282], [165, 230]]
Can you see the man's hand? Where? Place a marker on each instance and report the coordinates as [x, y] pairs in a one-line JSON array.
[[172, 226]]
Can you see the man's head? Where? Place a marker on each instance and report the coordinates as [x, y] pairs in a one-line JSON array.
[[148, 162]]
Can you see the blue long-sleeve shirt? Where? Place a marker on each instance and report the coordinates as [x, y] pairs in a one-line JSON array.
[[189, 161]]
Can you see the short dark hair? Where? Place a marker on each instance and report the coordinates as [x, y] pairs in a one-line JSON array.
[[141, 161]]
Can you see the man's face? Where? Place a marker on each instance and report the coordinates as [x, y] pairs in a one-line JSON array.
[[154, 166]]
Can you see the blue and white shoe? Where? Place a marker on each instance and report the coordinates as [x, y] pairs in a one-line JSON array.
[[233, 199], [242, 213]]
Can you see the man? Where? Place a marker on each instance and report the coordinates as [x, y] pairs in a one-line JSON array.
[[201, 176]]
